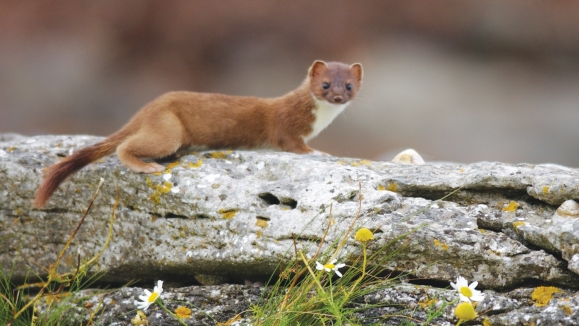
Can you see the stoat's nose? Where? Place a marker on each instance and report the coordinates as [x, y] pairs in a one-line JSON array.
[[338, 99]]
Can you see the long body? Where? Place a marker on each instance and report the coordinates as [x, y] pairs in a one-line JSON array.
[[187, 119]]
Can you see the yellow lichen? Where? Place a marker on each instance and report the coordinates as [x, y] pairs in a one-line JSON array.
[[164, 188], [442, 245], [196, 164], [543, 294], [427, 303], [261, 223], [173, 164], [259, 233], [355, 164], [511, 207], [517, 224], [220, 155], [381, 187], [11, 149], [392, 187], [545, 189], [227, 213], [341, 162], [487, 322], [365, 162], [566, 309]]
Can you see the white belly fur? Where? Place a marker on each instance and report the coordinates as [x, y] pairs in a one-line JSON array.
[[324, 113]]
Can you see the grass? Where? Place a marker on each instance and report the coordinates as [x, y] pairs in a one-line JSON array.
[[308, 291], [303, 295], [18, 304]]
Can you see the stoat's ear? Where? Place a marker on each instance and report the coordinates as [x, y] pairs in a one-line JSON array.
[[356, 69], [317, 68]]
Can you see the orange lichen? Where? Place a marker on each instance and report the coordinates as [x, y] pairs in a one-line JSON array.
[[543, 294], [511, 207]]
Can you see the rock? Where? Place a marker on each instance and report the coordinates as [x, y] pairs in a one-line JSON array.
[[394, 304], [235, 215], [207, 304]]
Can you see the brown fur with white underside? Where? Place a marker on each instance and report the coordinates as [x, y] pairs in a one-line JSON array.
[[187, 119]]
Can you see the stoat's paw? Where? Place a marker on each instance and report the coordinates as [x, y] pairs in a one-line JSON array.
[[153, 167]]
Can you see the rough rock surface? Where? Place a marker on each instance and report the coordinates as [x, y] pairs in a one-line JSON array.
[[237, 215], [394, 305]]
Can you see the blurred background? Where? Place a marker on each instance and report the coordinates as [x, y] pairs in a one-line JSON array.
[[457, 80]]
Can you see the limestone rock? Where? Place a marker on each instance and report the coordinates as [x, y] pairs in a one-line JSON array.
[[393, 305], [237, 215]]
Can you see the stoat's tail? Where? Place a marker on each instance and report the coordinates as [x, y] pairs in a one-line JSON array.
[[57, 173]]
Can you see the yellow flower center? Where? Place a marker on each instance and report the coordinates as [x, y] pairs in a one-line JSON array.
[[364, 235], [466, 291], [329, 266], [153, 297], [465, 311]]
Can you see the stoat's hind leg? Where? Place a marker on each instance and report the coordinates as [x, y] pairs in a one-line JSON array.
[[151, 142]]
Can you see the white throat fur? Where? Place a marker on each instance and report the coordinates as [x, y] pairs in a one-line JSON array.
[[325, 112]]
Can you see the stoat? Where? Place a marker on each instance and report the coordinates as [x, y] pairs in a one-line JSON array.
[[178, 120]]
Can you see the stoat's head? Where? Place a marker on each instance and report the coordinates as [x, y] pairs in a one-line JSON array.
[[335, 82]]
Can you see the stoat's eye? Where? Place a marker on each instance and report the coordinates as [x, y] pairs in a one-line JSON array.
[[325, 85], [349, 86]]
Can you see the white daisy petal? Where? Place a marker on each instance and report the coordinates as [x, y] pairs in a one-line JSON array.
[[338, 273], [463, 298], [319, 266]]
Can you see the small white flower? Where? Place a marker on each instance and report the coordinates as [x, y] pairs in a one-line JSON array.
[[149, 298], [189, 253], [467, 292], [330, 267]]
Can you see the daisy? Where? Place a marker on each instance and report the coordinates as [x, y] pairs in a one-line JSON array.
[[149, 298], [467, 292], [330, 267]]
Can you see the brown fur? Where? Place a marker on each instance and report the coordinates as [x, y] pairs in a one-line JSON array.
[[186, 119]]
